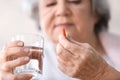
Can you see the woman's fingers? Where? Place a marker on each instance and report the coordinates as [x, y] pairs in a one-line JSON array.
[[23, 77], [70, 46], [6, 76], [8, 66], [13, 50], [65, 59], [14, 44], [13, 55], [84, 60], [63, 54], [4, 52], [17, 52], [9, 76]]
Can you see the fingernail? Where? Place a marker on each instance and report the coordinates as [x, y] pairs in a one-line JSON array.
[[20, 43]]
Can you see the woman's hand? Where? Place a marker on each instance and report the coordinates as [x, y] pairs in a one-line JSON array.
[[20, 54], [79, 60]]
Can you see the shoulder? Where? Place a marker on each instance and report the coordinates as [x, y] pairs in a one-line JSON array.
[[109, 39], [111, 44]]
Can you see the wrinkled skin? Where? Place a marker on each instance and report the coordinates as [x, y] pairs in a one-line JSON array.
[[79, 60], [78, 56], [7, 65]]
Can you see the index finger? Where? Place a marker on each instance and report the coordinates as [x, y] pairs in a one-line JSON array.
[[8, 66], [68, 45], [10, 76], [14, 44]]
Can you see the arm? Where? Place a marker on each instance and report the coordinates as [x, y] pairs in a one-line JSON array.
[[80, 60], [111, 74]]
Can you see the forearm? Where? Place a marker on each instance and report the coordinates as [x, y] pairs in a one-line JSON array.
[[110, 74]]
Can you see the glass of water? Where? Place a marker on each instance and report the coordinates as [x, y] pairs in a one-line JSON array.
[[35, 43]]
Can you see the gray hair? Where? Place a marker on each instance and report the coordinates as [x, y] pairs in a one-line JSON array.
[[100, 9]]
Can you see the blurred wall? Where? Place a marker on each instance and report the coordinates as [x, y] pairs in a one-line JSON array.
[[115, 19], [13, 20]]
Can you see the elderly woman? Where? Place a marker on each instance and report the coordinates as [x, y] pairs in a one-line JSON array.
[[87, 52]]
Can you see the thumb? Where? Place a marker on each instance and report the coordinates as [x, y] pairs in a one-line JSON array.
[[66, 40], [63, 40], [24, 77]]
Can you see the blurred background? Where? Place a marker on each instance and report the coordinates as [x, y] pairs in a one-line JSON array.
[[13, 20]]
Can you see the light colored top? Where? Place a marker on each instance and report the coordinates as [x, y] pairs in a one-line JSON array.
[[111, 45]]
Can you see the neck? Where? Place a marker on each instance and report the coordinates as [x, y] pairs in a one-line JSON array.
[[97, 45], [94, 41]]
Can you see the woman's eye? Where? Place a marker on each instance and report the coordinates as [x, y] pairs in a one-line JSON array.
[[51, 4], [75, 1]]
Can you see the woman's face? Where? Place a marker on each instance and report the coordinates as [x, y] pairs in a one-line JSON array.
[[75, 16]]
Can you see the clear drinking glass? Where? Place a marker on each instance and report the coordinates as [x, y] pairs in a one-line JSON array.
[[35, 43]]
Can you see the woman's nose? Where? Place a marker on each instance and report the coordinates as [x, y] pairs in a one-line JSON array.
[[62, 9]]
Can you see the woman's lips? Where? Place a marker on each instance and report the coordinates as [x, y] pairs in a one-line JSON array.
[[64, 25]]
